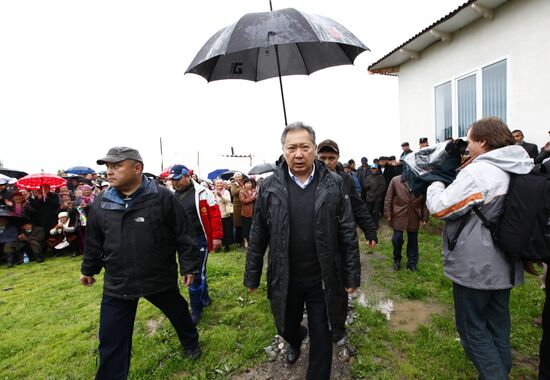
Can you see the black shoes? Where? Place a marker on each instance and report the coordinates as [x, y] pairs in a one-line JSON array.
[[412, 268], [396, 265], [194, 352], [293, 354]]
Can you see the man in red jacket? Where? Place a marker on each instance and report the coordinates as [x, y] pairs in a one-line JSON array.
[[204, 212]]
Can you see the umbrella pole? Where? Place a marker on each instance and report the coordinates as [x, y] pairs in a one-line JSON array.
[[279, 71], [280, 81]]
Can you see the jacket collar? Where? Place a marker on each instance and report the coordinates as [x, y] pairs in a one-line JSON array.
[[146, 189], [320, 170]]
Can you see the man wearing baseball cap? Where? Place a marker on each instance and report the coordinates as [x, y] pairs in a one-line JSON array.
[[204, 213], [329, 152], [134, 229]]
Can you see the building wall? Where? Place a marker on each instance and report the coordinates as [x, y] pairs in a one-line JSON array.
[[519, 32]]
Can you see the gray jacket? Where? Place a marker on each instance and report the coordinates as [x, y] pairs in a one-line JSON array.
[[476, 262]]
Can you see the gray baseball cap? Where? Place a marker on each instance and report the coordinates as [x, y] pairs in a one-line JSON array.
[[120, 153]]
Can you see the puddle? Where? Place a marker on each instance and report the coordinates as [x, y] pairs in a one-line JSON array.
[[408, 315]]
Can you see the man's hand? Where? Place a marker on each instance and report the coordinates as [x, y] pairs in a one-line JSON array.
[[371, 244], [22, 237], [251, 290], [350, 290], [216, 244], [187, 279], [87, 280]]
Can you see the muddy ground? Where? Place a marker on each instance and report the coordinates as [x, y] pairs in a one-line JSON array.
[[406, 315]]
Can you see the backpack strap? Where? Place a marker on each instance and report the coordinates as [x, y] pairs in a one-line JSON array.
[[492, 227], [452, 243]]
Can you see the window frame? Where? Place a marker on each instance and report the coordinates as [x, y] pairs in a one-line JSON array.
[[478, 71]]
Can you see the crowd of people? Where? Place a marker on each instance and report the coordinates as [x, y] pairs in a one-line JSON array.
[[132, 225]]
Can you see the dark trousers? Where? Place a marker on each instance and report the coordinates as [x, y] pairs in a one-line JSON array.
[[320, 337], [198, 290], [375, 209], [544, 369], [116, 326], [227, 225], [412, 246], [245, 231], [483, 322], [14, 251]]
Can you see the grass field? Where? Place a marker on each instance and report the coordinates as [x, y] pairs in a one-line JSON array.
[[49, 324]]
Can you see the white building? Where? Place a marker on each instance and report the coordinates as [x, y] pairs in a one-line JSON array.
[[486, 58]]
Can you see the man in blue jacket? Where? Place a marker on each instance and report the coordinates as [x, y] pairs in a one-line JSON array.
[[133, 231]]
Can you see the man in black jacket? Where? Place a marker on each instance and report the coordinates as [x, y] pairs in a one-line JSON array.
[[329, 152], [303, 214], [531, 149], [133, 231]]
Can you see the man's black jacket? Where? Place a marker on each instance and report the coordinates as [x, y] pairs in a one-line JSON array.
[[358, 207], [335, 241], [137, 245]]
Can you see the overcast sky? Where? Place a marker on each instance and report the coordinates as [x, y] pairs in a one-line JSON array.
[[77, 77]]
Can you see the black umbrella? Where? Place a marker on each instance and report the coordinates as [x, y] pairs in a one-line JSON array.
[[230, 173], [262, 168], [270, 44], [12, 173]]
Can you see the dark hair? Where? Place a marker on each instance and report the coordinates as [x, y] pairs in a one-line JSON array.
[[517, 130], [351, 161], [295, 126], [493, 131], [391, 158]]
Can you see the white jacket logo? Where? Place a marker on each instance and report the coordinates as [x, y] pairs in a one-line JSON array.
[[140, 219]]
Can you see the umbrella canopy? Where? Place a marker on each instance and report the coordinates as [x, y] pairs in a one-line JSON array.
[[246, 50], [230, 173], [4, 179], [270, 44], [166, 172], [80, 170], [266, 167], [34, 181], [216, 173], [12, 173]]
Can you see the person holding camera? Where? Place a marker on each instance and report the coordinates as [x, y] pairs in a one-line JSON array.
[[482, 277]]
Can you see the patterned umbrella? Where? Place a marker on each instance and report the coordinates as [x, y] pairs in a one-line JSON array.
[[34, 181]]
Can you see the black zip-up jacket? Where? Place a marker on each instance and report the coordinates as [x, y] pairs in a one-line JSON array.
[[137, 244], [335, 241], [358, 207]]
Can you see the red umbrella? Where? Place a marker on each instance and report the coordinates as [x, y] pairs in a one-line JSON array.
[[34, 181], [166, 172]]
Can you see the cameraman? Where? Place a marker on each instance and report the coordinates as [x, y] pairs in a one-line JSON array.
[[480, 274]]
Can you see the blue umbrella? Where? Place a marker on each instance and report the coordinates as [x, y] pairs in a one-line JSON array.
[[82, 170], [216, 173]]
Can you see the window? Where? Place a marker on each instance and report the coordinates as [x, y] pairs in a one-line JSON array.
[[443, 112], [494, 90], [465, 99], [466, 94]]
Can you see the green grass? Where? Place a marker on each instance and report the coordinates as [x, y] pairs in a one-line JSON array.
[[49, 324], [433, 351]]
